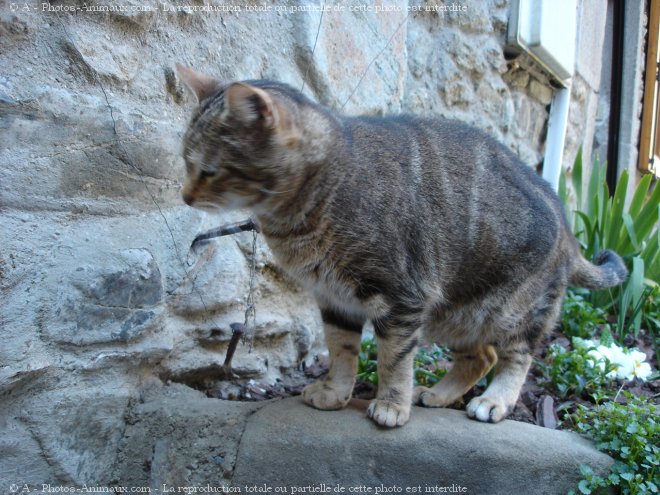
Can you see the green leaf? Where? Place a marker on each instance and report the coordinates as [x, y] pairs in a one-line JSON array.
[[616, 213], [627, 475], [631, 244], [583, 486], [647, 219], [587, 234], [639, 196], [585, 470], [637, 281], [630, 297], [604, 212], [614, 479], [651, 256], [606, 338], [562, 192], [576, 178], [593, 192]]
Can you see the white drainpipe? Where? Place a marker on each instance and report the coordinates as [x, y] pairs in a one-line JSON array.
[[547, 30], [554, 143]]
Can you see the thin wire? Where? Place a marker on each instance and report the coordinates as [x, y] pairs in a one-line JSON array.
[[318, 31], [250, 307], [126, 160], [389, 41], [250, 310]]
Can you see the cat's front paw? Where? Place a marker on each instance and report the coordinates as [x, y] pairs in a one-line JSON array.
[[488, 409], [322, 395], [388, 413]]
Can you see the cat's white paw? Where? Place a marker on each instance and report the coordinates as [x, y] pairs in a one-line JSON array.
[[426, 397], [488, 409], [322, 395], [388, 413]]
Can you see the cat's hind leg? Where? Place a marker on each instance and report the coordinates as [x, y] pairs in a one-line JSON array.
[[468, 368], [514, 357], [501, 396], [342, 335]]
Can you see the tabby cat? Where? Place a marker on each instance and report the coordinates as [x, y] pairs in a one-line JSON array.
[[428, 228]]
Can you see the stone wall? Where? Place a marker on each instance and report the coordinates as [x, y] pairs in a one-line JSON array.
[[101, 298]]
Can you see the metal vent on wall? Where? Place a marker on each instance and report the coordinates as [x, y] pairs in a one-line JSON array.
[[546, 30]]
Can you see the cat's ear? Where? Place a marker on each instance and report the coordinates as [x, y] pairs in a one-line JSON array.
[[200, 84], [249, 105]]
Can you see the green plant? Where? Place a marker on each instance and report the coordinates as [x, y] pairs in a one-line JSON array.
[[603, 222], [651, 311], [574, 372], [427, 372], [367, 369], [651, 317], [629, 433], [631, 300], [426, 369], [580, 318]]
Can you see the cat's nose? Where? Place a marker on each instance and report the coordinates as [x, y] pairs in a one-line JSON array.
[[188, 199]]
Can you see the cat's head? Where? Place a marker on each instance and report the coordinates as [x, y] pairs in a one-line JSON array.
[[241, 144]]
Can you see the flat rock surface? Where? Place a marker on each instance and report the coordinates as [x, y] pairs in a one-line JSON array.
[[288, 444]]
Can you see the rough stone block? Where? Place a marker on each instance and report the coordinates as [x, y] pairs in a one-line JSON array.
[[112, 303], [218, 281], [97, 55], [291, 444], [541, 92], [177, 434], [78, 438], [518, 78]]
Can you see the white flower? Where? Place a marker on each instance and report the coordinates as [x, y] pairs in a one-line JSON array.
[[624, 367], [627, 363], [597, 359], [637, 356], [641, 369]]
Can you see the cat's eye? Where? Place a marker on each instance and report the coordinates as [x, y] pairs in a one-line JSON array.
[[205, 174]]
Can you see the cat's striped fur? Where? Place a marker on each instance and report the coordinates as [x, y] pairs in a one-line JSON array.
[[428, 228]]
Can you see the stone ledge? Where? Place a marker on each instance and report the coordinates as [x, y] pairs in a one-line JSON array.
[[290, 444]]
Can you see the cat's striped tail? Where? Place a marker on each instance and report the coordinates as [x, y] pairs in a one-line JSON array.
[[607, 270]]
